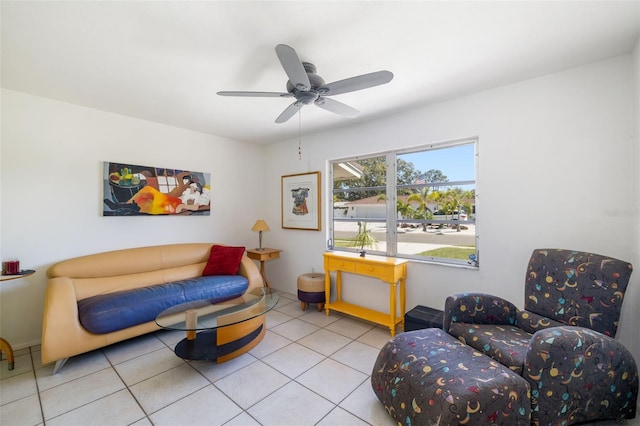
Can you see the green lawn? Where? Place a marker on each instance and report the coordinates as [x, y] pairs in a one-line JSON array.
[[450, 252]]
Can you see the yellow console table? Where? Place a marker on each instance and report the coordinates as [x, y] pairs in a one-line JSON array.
[[388, 269]]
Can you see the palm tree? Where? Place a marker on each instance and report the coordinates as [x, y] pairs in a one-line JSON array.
[[405, 209], [364, 238], [423, 210], [455, 200]]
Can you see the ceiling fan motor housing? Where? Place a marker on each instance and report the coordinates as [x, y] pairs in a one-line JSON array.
[[307, 97]]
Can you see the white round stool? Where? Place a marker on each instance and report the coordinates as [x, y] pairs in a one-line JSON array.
[[311, 290]]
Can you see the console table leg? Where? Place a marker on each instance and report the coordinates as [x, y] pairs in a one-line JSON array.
[[392, 308]]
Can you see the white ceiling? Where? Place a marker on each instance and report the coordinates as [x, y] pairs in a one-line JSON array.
[[165, 61]]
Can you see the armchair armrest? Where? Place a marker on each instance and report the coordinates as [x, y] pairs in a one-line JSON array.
[[478, 308], [577, 374]]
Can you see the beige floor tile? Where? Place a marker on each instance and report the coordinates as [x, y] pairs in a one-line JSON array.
[[170, 337], [252, 383], [132, 348], [340, 417], [332, 380], [214, 372], [364, 404], [350, 327], [36, 359], [289, 307], [166, 388], [271, 343], [293, 359], [76, 367], [295, 329], [78, 392], [17, 387], [292, 404], [357, 355], [24, 411], [243, 420], [21, 364], [206, 407], [148, 365], [275, 318], [288, 296], [119, 408], [376, 337], [320, 319], [324, 341]]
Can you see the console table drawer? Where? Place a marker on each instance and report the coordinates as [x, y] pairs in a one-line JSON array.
[[378, 271], [342, 265]]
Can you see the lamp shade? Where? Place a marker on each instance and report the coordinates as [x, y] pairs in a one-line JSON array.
[[260, 225]]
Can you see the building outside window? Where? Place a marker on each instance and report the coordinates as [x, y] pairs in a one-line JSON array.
[[418, 203]]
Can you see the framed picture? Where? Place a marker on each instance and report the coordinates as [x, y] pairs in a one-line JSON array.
[[133, 190], [301, 201]]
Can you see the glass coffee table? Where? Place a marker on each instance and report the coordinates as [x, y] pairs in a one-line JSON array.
[[219, 331]]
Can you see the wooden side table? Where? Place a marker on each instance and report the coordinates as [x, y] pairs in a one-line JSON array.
[[263, 255], [4, 345]]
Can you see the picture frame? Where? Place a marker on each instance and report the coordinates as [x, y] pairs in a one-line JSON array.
[[135, 190], [300, 196]]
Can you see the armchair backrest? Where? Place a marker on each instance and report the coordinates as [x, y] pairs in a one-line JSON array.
[[577, 288]]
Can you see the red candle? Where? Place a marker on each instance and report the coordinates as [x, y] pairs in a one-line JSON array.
[[12, 267]]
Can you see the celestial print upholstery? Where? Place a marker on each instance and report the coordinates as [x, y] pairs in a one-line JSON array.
[[427, 377], [577, 374], [505, 344], [563, 341], [577, 288]]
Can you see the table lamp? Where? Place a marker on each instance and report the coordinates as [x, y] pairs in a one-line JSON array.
[[260, 226]]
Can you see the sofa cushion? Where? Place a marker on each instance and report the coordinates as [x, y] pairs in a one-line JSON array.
[[223, 260], [115, 311]]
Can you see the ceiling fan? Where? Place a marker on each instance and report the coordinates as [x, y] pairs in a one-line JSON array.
[[309, 88]]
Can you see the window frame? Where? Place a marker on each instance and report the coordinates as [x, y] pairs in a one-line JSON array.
[[391, 188]]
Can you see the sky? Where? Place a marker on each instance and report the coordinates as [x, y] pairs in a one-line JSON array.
[[457, 163]]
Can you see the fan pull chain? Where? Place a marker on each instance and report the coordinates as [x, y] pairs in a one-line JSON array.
[[299, 134]]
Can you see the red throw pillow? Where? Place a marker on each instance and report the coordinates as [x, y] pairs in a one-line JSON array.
[[223, 260]]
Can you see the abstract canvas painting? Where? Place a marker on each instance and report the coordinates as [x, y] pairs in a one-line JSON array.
[[131, 190]]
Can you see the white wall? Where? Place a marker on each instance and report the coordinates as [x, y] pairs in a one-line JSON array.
[[51, 191], [636, 191], [562, 143], [557, 149]]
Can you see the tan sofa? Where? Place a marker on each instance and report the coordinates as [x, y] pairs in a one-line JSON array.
[[75, 279]]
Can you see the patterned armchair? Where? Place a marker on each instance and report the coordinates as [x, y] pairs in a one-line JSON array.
[[563, 341]]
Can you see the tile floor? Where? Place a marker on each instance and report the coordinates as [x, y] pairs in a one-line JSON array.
[[310, 369]]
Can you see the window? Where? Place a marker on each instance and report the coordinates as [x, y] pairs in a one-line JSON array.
[[418, 203]]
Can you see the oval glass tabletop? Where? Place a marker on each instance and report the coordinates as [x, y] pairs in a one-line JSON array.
[[207, 314]]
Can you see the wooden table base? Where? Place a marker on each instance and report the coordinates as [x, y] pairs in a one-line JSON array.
[[7, 349]]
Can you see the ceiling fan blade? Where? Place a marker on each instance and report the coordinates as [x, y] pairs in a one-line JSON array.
[[336, 107], [293, 67], [289, 112], [356, 83], [256, 94]]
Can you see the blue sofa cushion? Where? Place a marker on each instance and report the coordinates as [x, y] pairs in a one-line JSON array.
[[106, 313]]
